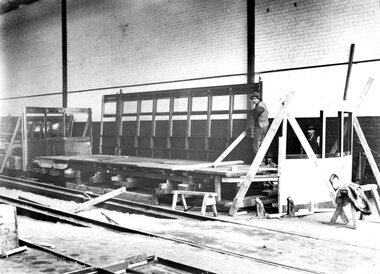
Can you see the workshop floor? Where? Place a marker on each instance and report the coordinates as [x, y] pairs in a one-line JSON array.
[[307, 243]]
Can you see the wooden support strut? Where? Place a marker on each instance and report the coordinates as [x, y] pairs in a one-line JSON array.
[[10, 147], [260, 156], [206, 165], [230, 148]]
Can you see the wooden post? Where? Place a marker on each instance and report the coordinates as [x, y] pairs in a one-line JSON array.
[[259, 156], [367, 150], [352, 50], [281, 162]]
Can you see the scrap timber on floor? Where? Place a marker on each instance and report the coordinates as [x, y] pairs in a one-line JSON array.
[[168, 170]]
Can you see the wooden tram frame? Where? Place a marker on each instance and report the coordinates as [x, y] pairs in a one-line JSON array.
[[186, 170], [47, 142], [209, 92]]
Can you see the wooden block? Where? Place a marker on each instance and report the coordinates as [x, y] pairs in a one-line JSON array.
[[139, 197], [69, 173], [54, 172], [100, 178], [260, 210], [163, 191]]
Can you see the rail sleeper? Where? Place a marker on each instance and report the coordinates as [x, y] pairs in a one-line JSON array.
[[208, 200]]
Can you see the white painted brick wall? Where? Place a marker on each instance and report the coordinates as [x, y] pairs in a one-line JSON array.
[[114, 43], [315, 32], [30, 50], [293, 34]]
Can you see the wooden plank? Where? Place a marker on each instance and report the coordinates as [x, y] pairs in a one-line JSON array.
[[258, 178], [205, 165], [194, 193], [311, 155], [260, 156], [367, 150], [99, 199], [14, 251]]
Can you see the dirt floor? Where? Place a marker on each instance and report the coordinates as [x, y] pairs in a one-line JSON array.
[[307, 243]]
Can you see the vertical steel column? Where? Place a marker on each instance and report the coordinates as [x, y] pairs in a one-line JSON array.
[[64, 53], [101, 127], [188, 124], [119, 122], [208, 125], [170, 126], [138, 125], [250, 41], [153, 127]]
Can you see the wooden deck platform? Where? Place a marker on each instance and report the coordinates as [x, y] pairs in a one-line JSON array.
[[169, 170]]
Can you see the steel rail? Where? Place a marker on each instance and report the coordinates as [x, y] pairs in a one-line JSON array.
[[64, 257], [25, 205], [139, 208], [113, 203]]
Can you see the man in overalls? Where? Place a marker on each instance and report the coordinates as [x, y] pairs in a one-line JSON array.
[[259, 122]]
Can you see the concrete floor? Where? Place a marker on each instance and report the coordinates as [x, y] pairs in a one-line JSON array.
[[307, 243]]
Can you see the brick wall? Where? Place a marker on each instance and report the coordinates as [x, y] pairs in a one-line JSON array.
[[30, 55]]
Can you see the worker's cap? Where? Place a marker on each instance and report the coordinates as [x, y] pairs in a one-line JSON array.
[[269, 155], [311, 127], [255, 95]]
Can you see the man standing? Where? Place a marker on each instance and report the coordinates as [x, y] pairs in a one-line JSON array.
[[259, 122], [313, 139]]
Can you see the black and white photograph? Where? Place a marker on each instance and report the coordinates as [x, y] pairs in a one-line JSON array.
[[189, 136]]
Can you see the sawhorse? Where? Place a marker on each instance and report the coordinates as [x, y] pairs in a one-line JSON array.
[[208, 200], [346, 200]]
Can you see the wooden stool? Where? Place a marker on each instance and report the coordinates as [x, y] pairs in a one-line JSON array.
[[208, 200], [373, 188]]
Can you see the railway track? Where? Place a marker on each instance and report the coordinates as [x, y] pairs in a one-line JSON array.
[[35, 210], [139, 264], [120, 205], [131, 207]]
